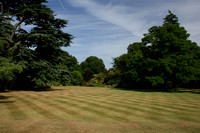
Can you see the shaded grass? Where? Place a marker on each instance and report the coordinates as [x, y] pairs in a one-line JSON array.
[[5, 99], [89, 109]]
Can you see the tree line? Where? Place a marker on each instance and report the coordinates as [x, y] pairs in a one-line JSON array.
[[33, 59]]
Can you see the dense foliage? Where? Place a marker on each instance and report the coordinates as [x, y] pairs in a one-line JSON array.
[[165, 59], [92, 65], [7, 73], [36, 51]]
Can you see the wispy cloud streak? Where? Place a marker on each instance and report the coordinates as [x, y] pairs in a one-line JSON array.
[[106, 28]]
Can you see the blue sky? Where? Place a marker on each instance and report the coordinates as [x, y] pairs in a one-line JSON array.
[[105, 28]]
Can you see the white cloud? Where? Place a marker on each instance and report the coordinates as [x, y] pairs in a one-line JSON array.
[[114, 26], [138, 20], [118, 15]]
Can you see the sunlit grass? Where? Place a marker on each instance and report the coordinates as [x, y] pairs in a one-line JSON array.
[[90, 109]]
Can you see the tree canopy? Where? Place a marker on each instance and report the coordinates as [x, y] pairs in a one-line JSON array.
[[92, 65], [38, 50], [165, 59]]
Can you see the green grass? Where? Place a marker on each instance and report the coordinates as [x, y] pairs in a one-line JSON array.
[[90, 109]]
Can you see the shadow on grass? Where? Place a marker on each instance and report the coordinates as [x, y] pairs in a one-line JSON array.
[[37, 89], [45, 89], [4, 99], [7, 102], [194, 91], [140, 90]]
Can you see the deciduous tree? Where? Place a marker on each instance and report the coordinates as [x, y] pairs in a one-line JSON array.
[[92, 65], [165, 59]]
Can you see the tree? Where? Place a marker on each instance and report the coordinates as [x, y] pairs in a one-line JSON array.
[[77, 78], [7, 73], [165, 59], [112, 77], [92, 65], [31, 12], [38, 50], [87, 74]]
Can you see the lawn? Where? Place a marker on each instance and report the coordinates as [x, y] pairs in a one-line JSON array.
[[93, 109]]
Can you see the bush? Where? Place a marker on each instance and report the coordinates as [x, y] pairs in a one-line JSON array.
[[97, 80], [8, 73], [77, 78]]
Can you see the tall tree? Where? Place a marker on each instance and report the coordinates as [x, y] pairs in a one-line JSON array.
[[165, 58], [46, 64]]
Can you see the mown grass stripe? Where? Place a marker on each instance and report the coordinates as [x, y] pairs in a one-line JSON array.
[[114, 109], [121, 104], [79, 107], [165, 107], [140, 110], [173, 106], [86, 102], [61, 108], [150, 102], [154, 97], [15, 112], [37, 108], [125, 111], [98, 105], [177, 110], [134, 110], [90, 109], [96, 111], [157, 110], [149, 111], [4, 111], [190, 102], [178, 102]]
